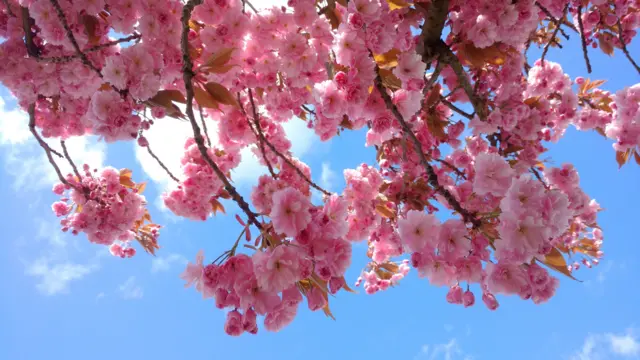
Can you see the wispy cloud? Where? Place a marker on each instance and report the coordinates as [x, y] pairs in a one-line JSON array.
[[609, 346], [164, 263], [327, 177], [130, 290], [25, 160], [55, 278], [450, 350]]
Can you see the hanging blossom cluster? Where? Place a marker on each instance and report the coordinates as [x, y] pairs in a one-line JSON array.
[[383, 68]]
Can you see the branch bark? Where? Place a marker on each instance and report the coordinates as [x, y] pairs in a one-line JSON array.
[[188, 74]]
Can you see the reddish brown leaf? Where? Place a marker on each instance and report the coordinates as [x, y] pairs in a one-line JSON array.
[[622, 157], [220, 94], [384, 211], [397, 4], [636, 156], [388, 60], [556, 261], [91, 24], [217, 206], [217, 62], [204, 98]]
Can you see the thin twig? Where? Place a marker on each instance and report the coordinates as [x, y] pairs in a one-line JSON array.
[[63, 144], [153, 155], [450, 58], [259, 135], [306, 108], [69, 58], [539, 177], [47, 149], [282, 156], [431, 174], [562, 21], [624, 47], [553, 36], [188, 74], [583, 40], [65, 24], [450, 166], [204, 126], [451, 106]]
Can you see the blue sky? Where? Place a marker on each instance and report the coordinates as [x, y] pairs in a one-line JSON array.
[[67, 299]]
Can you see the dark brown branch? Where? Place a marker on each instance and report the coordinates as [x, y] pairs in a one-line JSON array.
[[431, 174], [451, 106], [553, 35], [624, 48], [281, 155], [164, 167], [450, 166], [306, 108], [47, 149], [450, 58], [435, 19], [9, 11], [536, 173], [257, 132], [63, 144], [188, 74], [204, 126], [556, 21], [32, 49], [69, 58], [65, 24], [583, 40]]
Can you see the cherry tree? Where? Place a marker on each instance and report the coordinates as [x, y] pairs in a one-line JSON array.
[[412, 75]]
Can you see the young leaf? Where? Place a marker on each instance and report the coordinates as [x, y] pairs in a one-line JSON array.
[[397, 4], [221, 94], [204, 98], [622, 157], [218, 60], [388, 60], [384, 211], [636, 156], [556, 261]]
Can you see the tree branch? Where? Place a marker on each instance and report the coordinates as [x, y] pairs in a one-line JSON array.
[[32, 49], [455, 108], [450, 166], [65, 24], [187, 70], [47, 149], [153, 155], [435, 19], [281, 155], [204, 126], [624, 47], [69, 58], [431, 174], [63, 144], [450, 58], [557, 21], [553, 36], [258, 133], [583, 40]]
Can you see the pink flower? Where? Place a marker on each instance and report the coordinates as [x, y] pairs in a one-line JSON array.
[[233, 324], [290, 212], [316, 299], [335, 217], [280, 317], [493, 175], [454, 296], [506, 279], [418, 230], [468, 299], [490, 301], [193, 273], [410, 66], [115, 72], [60, 208], [279, 268], [249, 321], [452, 241]]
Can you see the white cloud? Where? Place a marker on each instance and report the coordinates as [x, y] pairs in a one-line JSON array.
[[609, 346], [27, 162], [55, 278], [164, 263], [450, 350], [625, 345], [130, 290], [327, 177], [302, 138], [100, 296]]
